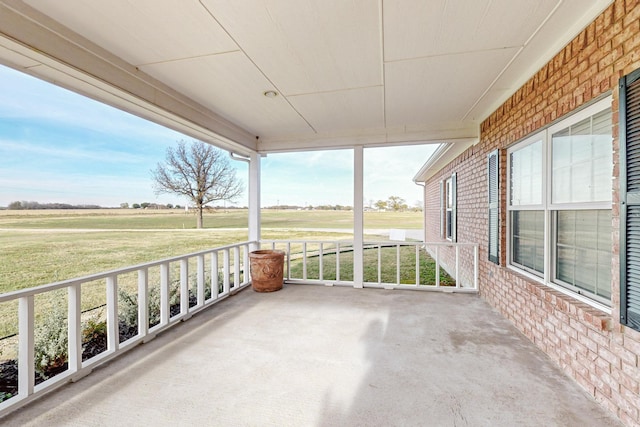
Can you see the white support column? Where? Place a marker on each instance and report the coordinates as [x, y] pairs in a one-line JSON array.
[[254, 199], [358, 217]]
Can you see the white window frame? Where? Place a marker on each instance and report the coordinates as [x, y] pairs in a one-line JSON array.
[[448, 208], [448, 187], [549, 208]]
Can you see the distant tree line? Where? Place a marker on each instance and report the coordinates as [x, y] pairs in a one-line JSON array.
[[24, 205], [309, 208], [147, 205], [396, 204]]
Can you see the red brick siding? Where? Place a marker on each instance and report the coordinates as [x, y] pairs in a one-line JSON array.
[[589, 345]]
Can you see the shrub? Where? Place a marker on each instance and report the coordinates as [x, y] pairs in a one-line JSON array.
[[51, 342], [94, 336], [127, 314]]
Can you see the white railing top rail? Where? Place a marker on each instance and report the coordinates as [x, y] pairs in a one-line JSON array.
[[8, 296], [231, 261], [373, 242], [221, 270], [459, 260]]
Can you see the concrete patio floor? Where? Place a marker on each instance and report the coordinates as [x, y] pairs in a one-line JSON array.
[[328, 356]]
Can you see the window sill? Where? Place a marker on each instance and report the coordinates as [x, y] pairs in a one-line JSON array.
[[589, 312]]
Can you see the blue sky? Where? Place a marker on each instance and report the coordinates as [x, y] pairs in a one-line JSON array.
[[57, 146]]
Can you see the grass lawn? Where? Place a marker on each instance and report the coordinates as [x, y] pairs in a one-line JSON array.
[[44, 246], [138, 219], [387, 271]]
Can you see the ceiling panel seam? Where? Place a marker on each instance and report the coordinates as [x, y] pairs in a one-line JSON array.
[[449, 54], [258, 68], [187, 58], [515, 56], [321, 92]]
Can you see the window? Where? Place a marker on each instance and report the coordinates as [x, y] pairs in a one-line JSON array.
[[448, 208], [630, 200], [559, 204]]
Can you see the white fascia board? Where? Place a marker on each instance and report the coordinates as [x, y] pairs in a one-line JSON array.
[[367, 139], [441, 157], [70, 61]]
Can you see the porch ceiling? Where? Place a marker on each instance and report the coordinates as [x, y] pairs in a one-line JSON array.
[[347, 73]]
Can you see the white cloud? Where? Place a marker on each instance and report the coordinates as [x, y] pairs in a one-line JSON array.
[[85, 153], [25, 97]]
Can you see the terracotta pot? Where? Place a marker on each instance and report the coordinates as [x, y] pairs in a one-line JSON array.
[[266, 270]]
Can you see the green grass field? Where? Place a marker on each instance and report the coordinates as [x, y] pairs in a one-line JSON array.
[[138, 219], [40, 247]]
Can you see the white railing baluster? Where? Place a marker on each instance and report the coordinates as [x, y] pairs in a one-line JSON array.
[[113, 332], [457, 278], [437, 266], [379, 263], [26, 342], [184, 286], [74, 324], [337, 261], [215, 284], [304, 260], [225, 266], [245, 265], [417, 265], [475, 268], [165, 278], [236, 268], [288, 259], [397, 264], [143, 302], [321, 262], [200, 267]]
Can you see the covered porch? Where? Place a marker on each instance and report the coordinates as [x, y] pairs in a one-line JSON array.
[[256, 79], [316, 355]]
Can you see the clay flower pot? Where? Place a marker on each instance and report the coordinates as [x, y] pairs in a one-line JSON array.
[[266, 270]]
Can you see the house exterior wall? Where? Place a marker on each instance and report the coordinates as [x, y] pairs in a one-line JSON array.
[[588, 344]]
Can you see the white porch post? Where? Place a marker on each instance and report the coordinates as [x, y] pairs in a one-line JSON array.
[[254, 199], [358, 217]]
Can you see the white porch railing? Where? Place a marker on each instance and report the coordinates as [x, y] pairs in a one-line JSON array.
[[189, 283], [200, 279], [318, 262]]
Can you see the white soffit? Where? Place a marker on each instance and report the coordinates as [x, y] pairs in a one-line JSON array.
[[236, 88], [452, 27], [308, 46], [568, 19], [142, 31], [343, 110], [438, 89], [357, 72]]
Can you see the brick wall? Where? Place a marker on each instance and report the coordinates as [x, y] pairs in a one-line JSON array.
[[588, 344]]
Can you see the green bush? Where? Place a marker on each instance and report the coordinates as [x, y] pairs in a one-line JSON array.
[[51, 342]]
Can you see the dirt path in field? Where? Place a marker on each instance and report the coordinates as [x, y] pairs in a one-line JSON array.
[[408, 233]]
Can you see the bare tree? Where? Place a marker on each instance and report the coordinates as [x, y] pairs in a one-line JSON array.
[[198, 171]]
